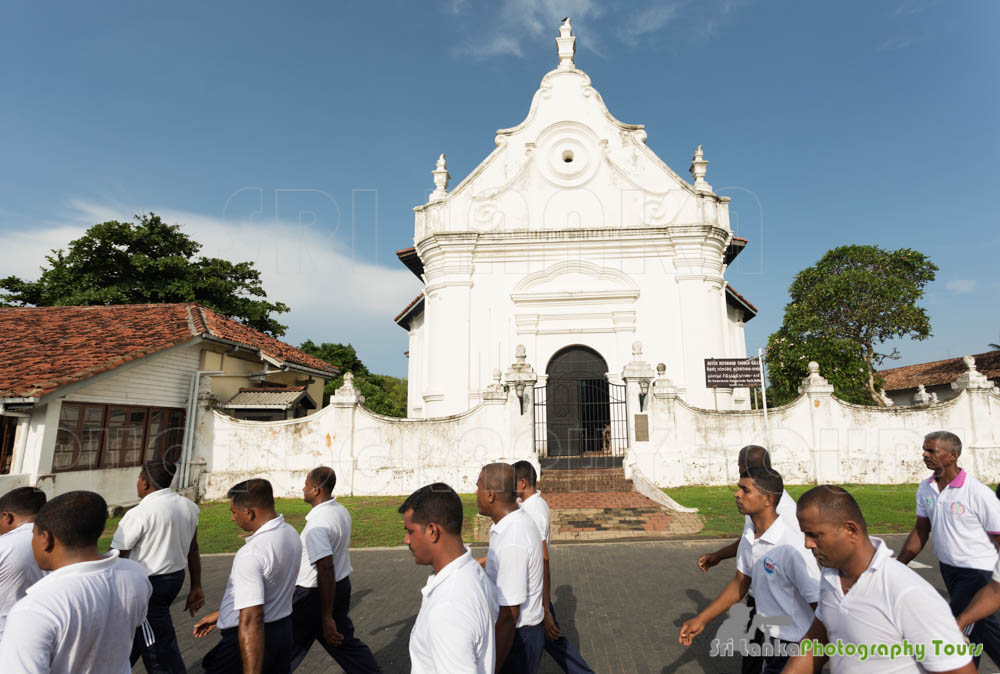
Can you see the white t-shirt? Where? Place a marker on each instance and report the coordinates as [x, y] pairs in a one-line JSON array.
[[455, 629], [962, 518], [996, 572], [784, 577], [888, 604], [80, 618], [18, 570], [538, 510], [327, 534], [263, 574], [158, 531], [514, 564]]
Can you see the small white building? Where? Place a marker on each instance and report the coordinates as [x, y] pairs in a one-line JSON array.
[[87, 393], [573, 238]]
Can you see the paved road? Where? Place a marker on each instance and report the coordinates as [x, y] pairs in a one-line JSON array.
[[622, 603]]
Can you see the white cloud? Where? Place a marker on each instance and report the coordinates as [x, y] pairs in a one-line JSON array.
[[647, 21], [961, 286], [332, 297]]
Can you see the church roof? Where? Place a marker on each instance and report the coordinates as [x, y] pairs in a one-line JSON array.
[[409, 257], [938, 372], [415, 306], [740, 302]]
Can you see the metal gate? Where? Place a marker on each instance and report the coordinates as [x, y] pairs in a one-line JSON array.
[[580, 418]]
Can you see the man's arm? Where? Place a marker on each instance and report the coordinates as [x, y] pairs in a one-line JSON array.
[[251, 633], [807, 662], [196, 595], [551, 629], [731, 593], [506, 625], [983, 605], [706, 562], [205, 626], [916, 541], [325, 576]]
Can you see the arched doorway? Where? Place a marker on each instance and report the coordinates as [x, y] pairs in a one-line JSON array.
[[574, 410]]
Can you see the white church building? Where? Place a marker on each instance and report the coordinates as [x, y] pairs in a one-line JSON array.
[[574, 239]]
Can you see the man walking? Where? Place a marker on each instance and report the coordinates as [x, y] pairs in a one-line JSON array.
[[322, 597], [868, 598], [963, 517], [514, 564], [161, 534], [532, 503], [255, 615], [454, 630], [773, 560], [82, 616], [18, 570]]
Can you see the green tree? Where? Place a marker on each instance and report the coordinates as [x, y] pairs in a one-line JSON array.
[[383, 394], [843, 310], [147, 261]]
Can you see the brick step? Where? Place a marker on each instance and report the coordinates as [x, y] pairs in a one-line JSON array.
[[585, 480]]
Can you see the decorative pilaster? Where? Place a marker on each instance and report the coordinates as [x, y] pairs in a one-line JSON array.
[[521, 378]]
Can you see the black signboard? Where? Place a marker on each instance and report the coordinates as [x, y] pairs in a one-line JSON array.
[[732, 373]]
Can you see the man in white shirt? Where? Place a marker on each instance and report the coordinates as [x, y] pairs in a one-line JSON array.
[[161, 534], [875, 614], [255, 615], [773, 560], [454, 630], [750, 456], [18, 570], [514, 564], [82, 616], [322, 597], [558, 646], [963, 517]]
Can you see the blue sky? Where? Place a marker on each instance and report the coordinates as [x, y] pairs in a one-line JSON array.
[[301, 135]]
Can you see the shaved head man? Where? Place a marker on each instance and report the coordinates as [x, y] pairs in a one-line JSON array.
[[889, 603]]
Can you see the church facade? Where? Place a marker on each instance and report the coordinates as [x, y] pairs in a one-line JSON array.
[[574, 239]]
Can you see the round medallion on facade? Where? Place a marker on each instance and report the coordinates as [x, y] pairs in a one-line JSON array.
[[568, 154]]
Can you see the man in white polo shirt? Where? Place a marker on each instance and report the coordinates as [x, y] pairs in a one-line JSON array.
[[18, 570], [558, 646], [255, 615], [82, 616], [454, 630], [161, 534], [962, 516], [323, 588], [875, 614], [514, 563], [750, 456], [772, 559]]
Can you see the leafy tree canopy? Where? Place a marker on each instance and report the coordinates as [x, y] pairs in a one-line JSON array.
[[843, 310], [383, 394], [147, 261]]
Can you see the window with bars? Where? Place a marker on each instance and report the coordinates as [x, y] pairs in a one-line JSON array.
[[116, 436]]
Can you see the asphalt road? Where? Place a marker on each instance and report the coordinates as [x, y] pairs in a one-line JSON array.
[[622, 603]]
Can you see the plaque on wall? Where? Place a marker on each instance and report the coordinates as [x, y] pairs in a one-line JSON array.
[[642, 428]]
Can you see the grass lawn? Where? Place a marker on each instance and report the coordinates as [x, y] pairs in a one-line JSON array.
[[376, 522], [888, 508]]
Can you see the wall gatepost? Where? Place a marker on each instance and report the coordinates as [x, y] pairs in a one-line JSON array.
[[637, 376], [520, 380], [984, 405], [826, 450]]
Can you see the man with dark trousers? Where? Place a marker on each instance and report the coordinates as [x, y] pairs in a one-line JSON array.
[[255, 616], [558, 646], [963, 517], [323, 588], [514, 564], [161, 534]]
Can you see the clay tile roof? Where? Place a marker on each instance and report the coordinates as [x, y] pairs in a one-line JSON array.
[[938, 372], [45, 348], [402, 315], [730, 290]]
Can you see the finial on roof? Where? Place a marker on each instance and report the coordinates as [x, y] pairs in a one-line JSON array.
[[699, 167], [566, 45], [441, 177]]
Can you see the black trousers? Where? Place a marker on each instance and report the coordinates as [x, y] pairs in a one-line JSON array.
[[751, 665], [963, 584], [526, 652], [164, 656], [352, 654], [226, 658]]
